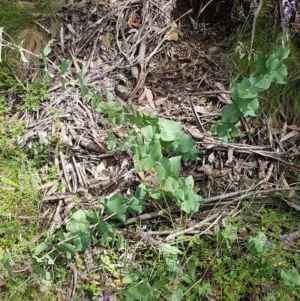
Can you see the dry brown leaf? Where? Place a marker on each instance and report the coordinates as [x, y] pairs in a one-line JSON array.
[[97, 63], [160, 101], [133, 21], [149, 97], [196, 133], [3, 282], [106, 41], [142, 97], [223, 97]]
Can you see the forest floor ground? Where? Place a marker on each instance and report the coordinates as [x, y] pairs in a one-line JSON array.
[[61, 156]]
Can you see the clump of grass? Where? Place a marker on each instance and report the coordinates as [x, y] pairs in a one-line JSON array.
[[20, 16], [34, 23], [20, 212]]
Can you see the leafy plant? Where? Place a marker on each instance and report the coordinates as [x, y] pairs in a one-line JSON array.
[[229, 235], [290, 277], [268, 69]]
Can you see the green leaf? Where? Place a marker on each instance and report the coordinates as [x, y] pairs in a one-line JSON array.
[[50, 260], [186, 143], [147, 163], [44, 246], [279, 76], [141, 291], [177, 295], [235, 94], [191, 204], [169, 129], [190, 155], [258, 244], [156, 194], [83, 240], [47, 49], [249, 107], [148, 132], [79, 216], [290, 277], [170, 184], [106, 230], [116, 206], [175, 165], [246, 90], [92, 216], [228, 234], [154, 150], [260, 65], [179, 194], [7, 264], [264, 83], [141, 192], [282, 53], [136, 205], [83, 73], [226, 130], [231, 113], [139, 152], [163, 168], [84, 91], [188, 185], [63, 83], [273, 63], [112, 141], [171, 250], [139, 139], [78, 226], [68, 248], [64, 66]]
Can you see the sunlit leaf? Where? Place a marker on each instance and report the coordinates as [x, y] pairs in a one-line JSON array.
[[290, 277], [186, 143], [249, 107], [44, 246], [64, 66], [169, 129], [169, 249], [177, 295], [47, 49], [175, 165], [116, 206], [78, 226]]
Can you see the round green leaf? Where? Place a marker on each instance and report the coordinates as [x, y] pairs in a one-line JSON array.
[[169, 129], [231, 113]]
